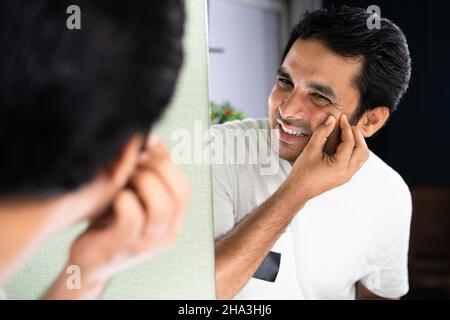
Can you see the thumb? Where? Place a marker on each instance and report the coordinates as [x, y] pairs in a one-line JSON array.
[[320, 136]]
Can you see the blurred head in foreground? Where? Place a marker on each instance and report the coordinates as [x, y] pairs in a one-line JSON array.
[[76, 105]]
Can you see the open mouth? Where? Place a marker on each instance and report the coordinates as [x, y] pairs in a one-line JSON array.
[[295, 132]]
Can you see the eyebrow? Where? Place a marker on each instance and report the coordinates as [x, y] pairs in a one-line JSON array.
[[324, 89], [282, 72]]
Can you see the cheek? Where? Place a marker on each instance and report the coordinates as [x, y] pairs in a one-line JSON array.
[[275, 100], [333, 139], [320, 116]]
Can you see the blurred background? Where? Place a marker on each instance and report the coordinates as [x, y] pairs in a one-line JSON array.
[[245, 42]]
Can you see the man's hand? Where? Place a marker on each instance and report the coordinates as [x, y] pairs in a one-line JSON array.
[[143, 220], [315, 172]]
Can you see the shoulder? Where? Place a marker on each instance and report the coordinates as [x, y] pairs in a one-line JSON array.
[[389, 188], [380, 172]]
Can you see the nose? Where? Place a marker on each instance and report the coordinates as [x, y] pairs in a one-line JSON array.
[[294, 106]]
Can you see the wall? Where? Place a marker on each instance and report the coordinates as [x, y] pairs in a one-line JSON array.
[[244, 40]]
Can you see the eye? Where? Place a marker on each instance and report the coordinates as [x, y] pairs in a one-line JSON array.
[[320, 99], [285, 83]]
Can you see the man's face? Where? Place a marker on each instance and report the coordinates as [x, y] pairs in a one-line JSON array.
[[312, 83]]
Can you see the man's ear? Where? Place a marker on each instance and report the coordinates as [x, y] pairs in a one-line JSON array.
[[373, 120], [125, 164]]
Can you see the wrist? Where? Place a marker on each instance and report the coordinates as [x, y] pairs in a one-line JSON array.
[[293, 195]]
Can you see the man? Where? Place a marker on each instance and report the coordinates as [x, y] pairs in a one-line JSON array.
[[76, 107], [319, 228]]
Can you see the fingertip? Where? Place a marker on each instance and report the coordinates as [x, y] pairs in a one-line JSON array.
[[122, 199], [154, 140], [156, 148], [329, 120], [343, 120], [129, 212], [359, 134], [144, 157]]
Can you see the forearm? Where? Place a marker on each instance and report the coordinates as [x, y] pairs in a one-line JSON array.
[[240, 252]]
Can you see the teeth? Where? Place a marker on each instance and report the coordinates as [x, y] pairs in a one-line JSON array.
[[291, 132]]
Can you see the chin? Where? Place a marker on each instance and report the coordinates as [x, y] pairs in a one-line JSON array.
[[290, 153]]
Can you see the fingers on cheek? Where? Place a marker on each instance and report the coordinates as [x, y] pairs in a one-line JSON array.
[[180, 187], [357, 136], [181, 208], [129, 216], [360, 146], [183, 198], [174, 179], [165, 237], [160, 205], [157, 155], [162, 228]]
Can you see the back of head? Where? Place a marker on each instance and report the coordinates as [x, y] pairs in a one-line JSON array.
[[70, 99]]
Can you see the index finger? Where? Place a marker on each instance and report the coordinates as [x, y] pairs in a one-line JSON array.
[[360, 152], [320, 135], [158, 159], [345, 148]]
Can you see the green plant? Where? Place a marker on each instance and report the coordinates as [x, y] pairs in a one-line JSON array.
[[224, 113]]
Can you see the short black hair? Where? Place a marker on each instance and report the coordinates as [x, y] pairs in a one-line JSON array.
[[71, 99], [386, 63]]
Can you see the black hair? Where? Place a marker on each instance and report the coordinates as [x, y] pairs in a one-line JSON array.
[[386, 63], [71, 99]]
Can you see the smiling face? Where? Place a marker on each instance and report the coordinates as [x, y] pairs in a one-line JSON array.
[[312, 83]]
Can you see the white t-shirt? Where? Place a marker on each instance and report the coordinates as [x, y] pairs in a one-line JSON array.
[[356, 232]]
